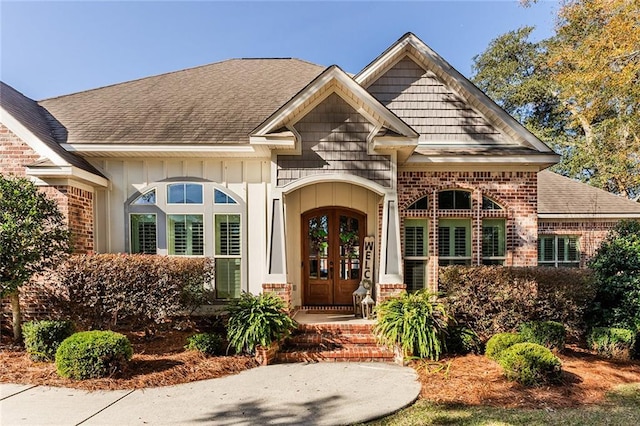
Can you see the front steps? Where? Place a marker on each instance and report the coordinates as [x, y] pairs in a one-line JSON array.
[[332, 335]]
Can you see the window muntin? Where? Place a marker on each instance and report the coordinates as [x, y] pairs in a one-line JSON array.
[[144, 234], [184, 193], [220, 197], [228, 256], [454, 242], [186, 234], [416, 252], [148, 198], [489, 204], [558, 250], [493, 241], [454, 200], [421, 204]]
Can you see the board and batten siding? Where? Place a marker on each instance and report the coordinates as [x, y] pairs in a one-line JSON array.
[[334, 140], [329, 194], [249, 179], [436, 112]]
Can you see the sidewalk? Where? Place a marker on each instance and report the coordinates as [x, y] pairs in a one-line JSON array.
[[309, 394]]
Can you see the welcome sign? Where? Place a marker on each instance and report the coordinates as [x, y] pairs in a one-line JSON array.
[[367, 266]]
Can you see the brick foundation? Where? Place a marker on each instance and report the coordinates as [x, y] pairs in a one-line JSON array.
[[387, 291], [282, 290]]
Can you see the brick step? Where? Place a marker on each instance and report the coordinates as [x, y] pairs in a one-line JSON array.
[[328, 339], [337, 328], [345, 353]]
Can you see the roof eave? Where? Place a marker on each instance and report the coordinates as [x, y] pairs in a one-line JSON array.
[[69, 172]]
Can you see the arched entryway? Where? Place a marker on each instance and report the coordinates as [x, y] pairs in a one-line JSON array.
[[332, 240]]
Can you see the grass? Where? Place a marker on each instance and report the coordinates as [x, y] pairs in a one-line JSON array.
[[622, 407]]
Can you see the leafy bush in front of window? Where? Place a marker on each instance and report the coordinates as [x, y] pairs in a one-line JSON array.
[[616, 266], [93, 354], [141, 291], [530, 364], [549, 334], [415, 322], [42, 338], [498, 343], [206, 343], [257, 321], [492, 299], [616, 343], [462, 340]]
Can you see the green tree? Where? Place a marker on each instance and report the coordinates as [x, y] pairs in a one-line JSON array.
[[579, 90], [617, 271], [33, 238]]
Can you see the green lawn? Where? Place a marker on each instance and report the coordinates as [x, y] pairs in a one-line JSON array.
[[621, 408]]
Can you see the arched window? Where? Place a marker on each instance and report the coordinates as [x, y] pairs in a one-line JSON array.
[[186, 218], [421, 204], [454, 200], [489, 204]]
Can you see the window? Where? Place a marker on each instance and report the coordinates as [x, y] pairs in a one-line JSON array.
[[227, 256], [184, 193], [220, 197], [493, 241], [489, 204], [186, 234], [421, 204], [147, 198], [454, 242], [558, 250], [416, 232], [454, 200], [143, 233]]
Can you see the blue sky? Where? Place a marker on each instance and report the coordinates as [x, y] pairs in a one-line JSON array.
[[52, 48]]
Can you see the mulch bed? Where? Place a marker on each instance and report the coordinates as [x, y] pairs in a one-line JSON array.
[[469, 380], [160, 361], [476, 380]]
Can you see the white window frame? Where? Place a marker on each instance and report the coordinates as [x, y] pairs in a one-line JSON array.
[[557, 262]]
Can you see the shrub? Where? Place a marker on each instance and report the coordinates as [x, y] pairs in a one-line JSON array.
[[499, 342], [207, 343], [617, 343], [492, 299], [42, 338], [141, 291], [530, 364], [257, 321], [93, 354], [616, 266], [549, 334], [462, 340], [414, 321]]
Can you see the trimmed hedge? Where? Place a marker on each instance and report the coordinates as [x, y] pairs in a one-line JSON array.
[[42, 338], [140, 291], [93, 354], [616, 343], [549, 334], [206, 343], [491, 299], [499, 342], [530, 364]]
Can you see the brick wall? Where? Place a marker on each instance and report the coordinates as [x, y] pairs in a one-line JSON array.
[[590, 233]]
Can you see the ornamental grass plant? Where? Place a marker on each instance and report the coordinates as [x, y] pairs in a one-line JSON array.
[[414, 322]]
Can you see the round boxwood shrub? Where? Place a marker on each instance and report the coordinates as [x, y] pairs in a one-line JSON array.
[[42, 338], [617, 343], [530, 364], [499, 342], [207, 343], [93, 354], [549, 334]]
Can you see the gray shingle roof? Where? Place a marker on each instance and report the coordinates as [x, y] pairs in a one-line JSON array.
[[560, 195], [217, 103], [39, 122]]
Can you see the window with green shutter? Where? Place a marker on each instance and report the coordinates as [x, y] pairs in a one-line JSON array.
[[416, 253], [227, 256], [186, 234], [493, 242], [454, 242], [143, 234]]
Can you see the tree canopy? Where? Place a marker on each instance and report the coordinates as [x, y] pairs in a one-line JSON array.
[[579, 90], [33, 237]]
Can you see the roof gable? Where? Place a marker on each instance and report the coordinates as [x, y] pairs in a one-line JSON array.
[[490, 118]]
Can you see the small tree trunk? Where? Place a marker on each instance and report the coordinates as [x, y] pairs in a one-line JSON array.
[[17, 316]]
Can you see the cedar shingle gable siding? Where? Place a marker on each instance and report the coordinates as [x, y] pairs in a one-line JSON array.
[[217, 103], [334, 140], [431, 108]]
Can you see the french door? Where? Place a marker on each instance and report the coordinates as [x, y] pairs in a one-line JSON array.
[[331, 244]]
